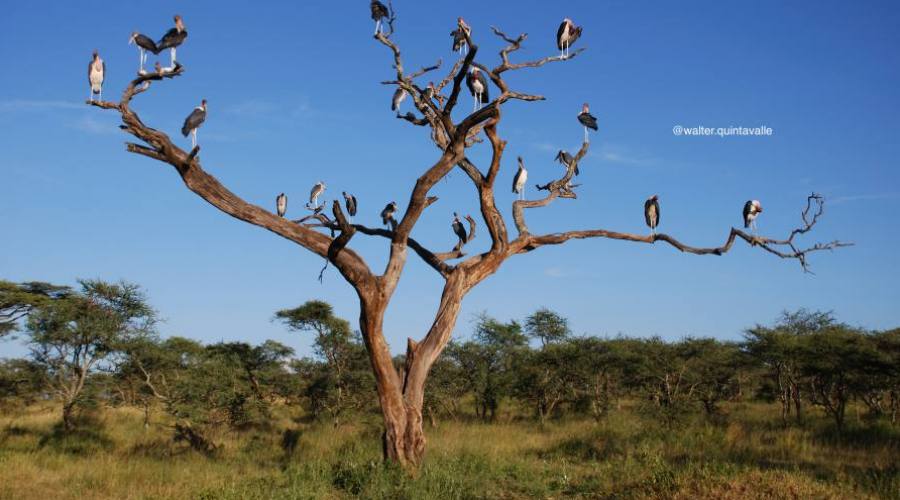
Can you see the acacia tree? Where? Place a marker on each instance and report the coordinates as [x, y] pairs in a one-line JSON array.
[[401, 392]]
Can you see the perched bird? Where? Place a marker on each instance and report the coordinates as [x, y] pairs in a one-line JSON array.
[[96, 74], [566, 159], [379, 12], [459, 39], [519, 180], [350, 203], [566, 36], [314, 193], [478, 87], [399, 95], [193, 122], [281, 204], [387, 215], [587, 119], [651, 212], [145, 44], [752, 209], [460, 230], [172, 39]]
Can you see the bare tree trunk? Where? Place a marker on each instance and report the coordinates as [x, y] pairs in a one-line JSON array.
[[795, 396], [68, 416]]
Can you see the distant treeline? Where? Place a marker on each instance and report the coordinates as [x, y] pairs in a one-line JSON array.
[[98, 345]]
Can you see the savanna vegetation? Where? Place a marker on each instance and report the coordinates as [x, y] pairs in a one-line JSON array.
[[106, 407]]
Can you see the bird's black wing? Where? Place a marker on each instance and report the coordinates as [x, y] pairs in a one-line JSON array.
[[658, 214], [146, 43], [352, 208], [171, 39], [559, 34], [588, 120], [574, 34], [103, 76], [379, 10], [89, 71], [748, 207], [516, 181], [458, 39], [484, 95], [193, 121], [460, 231], [395, 101], [469, 80]]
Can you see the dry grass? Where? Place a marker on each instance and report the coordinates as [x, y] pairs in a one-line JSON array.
[[627, 456]]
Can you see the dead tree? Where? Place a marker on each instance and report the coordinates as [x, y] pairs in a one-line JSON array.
[[400, 393]]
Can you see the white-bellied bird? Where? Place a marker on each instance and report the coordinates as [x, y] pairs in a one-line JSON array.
[[144, 44], [193, 122], [379, 12], [350, 203], [518, 185], [172, 39], [96, 74], [399, 95], [478, 87], [588, 120], [459, 39], [752, 209], [281, 204], [314, 194], [566, 36], [566, 159], [460, 230], [387, 215], [651, 213]]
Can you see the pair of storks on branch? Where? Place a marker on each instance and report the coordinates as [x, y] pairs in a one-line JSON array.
[[171, 40]]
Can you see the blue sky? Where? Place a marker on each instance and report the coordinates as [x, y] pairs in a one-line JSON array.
[[294, 97]]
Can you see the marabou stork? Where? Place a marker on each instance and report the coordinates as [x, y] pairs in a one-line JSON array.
[[519, 180], [460, 230], [173, 38], [588, 120], [350, 203], [145, 44], [651, 213], [566, 36], [459, 39], [96, 74], [752, 209], [566, 159], [281, 204], [387, 215], [379, 12], [399, 95], [193, 122], [478, 87], [314, 193]]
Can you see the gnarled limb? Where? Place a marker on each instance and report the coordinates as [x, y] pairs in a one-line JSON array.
[[527, 242]]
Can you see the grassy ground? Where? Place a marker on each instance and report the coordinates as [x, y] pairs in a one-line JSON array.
[[627, 456]]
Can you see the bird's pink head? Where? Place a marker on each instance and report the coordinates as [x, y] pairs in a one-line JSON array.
[[134, 35], [585, 108], [96, 54], [179, 24], [203, 104], [475, 70], [654, 197], [757, 205]]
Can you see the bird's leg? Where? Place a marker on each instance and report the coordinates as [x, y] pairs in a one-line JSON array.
[[585, 134], [172, 57], [377, 26]]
